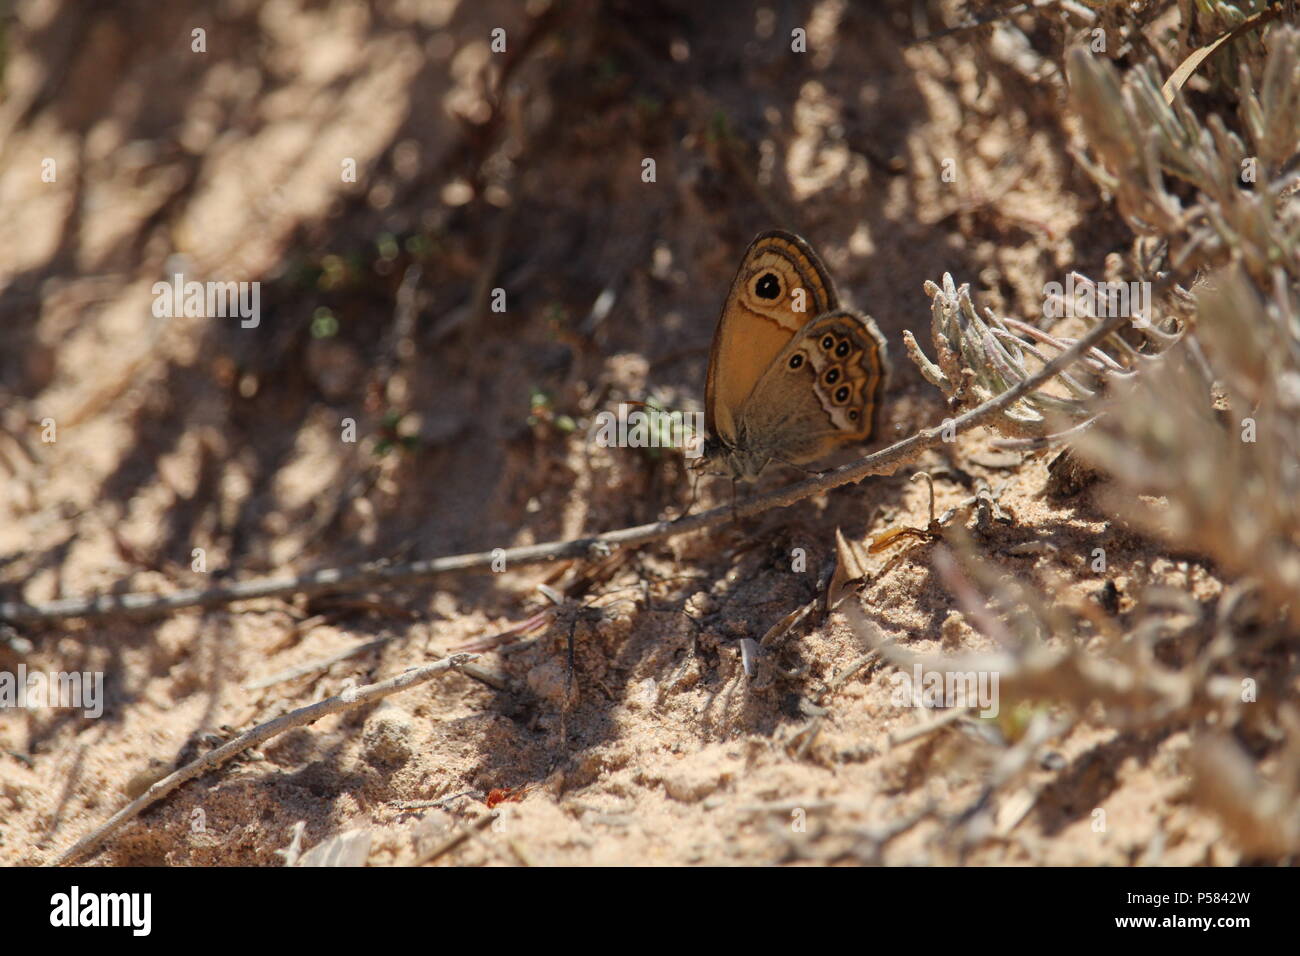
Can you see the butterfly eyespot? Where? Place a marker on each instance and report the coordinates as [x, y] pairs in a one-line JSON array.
[[828, 342], [842, 394], [768, 286], [832, 376], [796, 360], [842, 349], [853, 414]]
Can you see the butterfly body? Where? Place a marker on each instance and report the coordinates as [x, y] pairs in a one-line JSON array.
[[792, 375]]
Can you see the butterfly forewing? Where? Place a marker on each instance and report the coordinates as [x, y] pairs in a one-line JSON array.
[[780, 285]]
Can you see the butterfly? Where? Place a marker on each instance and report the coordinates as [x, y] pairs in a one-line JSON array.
[[792, 374]]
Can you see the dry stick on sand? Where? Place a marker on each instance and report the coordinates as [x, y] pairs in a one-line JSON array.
[[259, 734], [489, 677], [883, 462]]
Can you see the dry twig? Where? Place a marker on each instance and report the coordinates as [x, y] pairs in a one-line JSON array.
[[882, 462], [349, 700]]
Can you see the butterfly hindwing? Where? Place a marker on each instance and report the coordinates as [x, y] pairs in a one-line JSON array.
[[822, 390]]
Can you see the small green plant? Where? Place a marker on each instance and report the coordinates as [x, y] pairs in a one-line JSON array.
[[324, 323]]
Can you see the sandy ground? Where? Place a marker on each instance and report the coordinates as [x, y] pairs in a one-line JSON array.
[[520, 171]]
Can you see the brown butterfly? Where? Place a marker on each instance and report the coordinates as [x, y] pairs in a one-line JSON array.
[[792, 375]]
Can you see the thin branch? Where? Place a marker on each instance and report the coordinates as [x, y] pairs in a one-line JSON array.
[[461, 834], [883, 462], [908, 734], [976, 22], [259, 734], [489, 677], [318, 665]]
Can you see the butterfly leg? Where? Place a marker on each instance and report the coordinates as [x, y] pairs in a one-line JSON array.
[[695, 487], [807, 471], [568, 686]]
